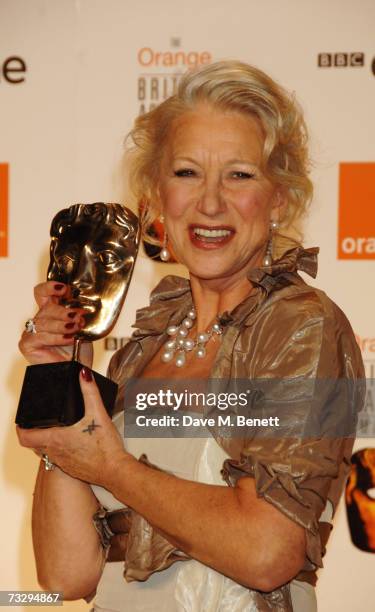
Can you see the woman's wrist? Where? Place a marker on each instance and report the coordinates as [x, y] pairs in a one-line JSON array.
[[120, 471]]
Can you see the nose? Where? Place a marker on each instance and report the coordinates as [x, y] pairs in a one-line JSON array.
[[211, 201], [84, 276]]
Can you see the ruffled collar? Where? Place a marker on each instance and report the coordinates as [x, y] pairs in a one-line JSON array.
[[171, 298], [305, 260]]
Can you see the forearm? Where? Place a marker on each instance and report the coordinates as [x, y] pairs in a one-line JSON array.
[[229, 529], [64, 537]]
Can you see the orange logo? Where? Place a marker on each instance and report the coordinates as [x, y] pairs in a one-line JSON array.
[[162, 70], [356, 235], [148, 57], [3, 210]]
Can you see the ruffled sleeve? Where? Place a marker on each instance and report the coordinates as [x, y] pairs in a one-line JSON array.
[[309, 370]]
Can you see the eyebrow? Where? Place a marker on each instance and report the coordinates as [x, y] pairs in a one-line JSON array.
[[229, 162], [241, 161], [183, 158]]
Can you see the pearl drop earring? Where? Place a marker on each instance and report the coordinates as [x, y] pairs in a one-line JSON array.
[[267, 260], [164, 253]]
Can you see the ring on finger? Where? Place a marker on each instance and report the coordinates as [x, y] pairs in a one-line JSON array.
[[30, 326]]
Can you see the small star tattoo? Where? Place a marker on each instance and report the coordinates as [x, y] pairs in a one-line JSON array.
[[91, 427]]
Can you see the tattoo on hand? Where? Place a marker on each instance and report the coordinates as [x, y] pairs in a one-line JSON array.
[[91, 427]]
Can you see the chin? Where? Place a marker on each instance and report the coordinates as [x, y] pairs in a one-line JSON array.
[[210, 272]]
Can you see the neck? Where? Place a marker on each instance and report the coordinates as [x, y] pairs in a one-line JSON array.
[[212, 298]]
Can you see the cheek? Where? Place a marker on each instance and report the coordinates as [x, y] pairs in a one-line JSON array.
[[113, 286], [253, 209], [175, 201]]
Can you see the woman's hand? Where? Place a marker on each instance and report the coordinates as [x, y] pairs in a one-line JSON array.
[[55, 326], [91, 449]]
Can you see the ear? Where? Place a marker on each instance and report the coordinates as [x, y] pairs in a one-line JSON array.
[[279, 205]]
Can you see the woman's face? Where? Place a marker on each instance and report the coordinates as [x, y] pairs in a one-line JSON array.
[[216, 202]]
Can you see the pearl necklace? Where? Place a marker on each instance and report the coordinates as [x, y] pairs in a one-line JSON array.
[[180, 344]]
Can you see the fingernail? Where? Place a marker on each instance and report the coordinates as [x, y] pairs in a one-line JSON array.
[[69, 325], [68, 336], [71, 315], [86, 374], [58, 287]]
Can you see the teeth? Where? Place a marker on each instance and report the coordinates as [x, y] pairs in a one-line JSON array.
[[211, 233]]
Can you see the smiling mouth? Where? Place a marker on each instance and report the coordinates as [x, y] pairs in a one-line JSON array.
[[210, 237]]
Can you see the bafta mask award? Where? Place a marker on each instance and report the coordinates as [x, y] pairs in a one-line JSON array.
[[93, 251], [360, 504]]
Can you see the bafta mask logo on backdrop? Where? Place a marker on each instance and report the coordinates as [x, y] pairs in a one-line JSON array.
[[13, 70], [160, 71], [360, 499], [4, 195], [356, 231]]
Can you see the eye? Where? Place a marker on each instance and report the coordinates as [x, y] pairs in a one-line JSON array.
[[184, 172], [241, 174], [110, 260]]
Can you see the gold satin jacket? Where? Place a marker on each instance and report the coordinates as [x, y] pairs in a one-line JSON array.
[[284, 329]]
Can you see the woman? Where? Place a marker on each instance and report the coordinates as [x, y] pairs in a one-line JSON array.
[[225, 164]]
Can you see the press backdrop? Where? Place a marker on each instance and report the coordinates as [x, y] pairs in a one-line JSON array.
[[73, 76]]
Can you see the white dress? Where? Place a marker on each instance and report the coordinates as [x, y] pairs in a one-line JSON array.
[[187, 586]]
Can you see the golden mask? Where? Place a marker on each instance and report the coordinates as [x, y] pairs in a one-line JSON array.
[[360, 505], [93, 250]]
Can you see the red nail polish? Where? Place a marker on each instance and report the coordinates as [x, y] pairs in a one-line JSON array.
[[69, 325], [58, 287], [68, 336], [71, 315], [87, 375]]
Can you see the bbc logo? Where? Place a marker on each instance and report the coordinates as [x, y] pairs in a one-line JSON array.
[[341, 60]]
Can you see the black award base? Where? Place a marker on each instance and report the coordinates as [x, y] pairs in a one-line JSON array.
[[51, 395]]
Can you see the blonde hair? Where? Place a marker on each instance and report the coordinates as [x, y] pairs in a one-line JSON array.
[[236, 86]]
